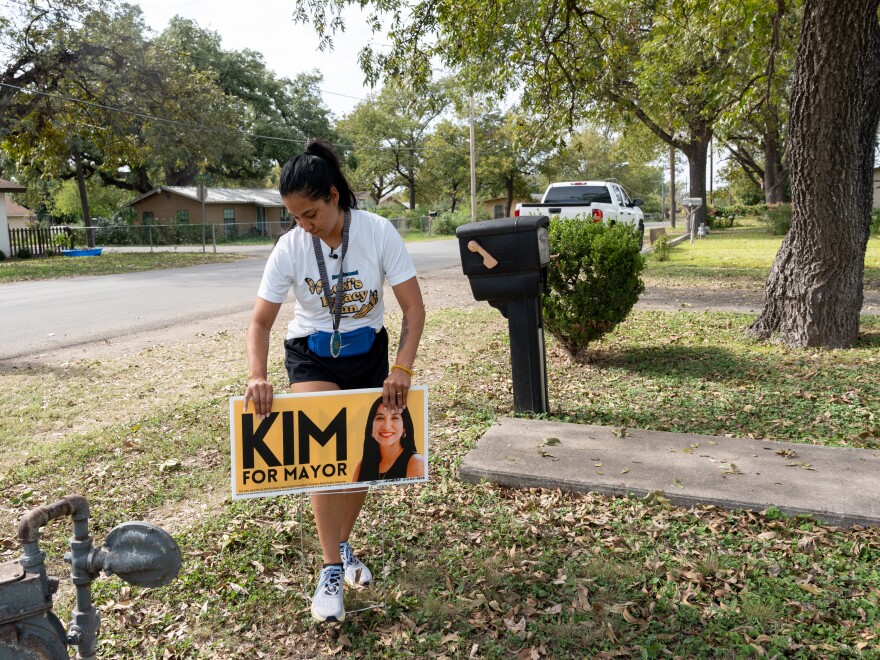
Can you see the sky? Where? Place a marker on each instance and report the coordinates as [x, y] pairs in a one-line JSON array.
[[288, 48]]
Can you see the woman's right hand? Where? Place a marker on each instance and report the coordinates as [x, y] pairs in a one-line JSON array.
[[259, 390]]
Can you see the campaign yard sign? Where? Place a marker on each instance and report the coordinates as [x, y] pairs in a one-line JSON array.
[[327, 440]]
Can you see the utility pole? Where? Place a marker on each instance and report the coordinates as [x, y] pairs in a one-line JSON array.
[[202, 194], [711, 174], [473, 167], [672, 186], [662, 198]]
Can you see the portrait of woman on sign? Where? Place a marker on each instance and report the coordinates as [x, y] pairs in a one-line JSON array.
[[389, 446]]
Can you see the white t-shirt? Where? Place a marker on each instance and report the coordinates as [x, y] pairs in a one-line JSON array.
[[375, 253]]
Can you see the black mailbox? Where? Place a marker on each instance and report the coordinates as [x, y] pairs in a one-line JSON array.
[[505, 259], [506, 263]]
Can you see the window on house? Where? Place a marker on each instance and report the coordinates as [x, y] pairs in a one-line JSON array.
[[229, 216], [498, 211], [183, 217], [148, 218]]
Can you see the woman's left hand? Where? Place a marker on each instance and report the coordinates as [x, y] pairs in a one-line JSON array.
[[396, 386], [395, 390]]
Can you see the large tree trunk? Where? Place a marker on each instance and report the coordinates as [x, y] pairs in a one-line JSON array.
[[814, 290], [83, 197], [377, 189], [509, 196], [412, 193], [775, 176], [697, 152]]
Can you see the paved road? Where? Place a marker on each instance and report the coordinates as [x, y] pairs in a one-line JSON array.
[[50, 314]]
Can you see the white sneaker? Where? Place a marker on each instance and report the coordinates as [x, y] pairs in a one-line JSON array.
[[327, 601], [356, 573]]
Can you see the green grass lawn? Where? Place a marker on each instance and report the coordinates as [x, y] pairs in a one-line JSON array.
[[484, 572], [43, 268], [740, 257], [417, 237], [473, 571]]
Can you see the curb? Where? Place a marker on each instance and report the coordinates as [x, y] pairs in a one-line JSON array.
[[673, 241]]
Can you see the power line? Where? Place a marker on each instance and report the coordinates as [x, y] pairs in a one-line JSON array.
[[203, 129], [142, 115], [189, 125], [348, 96]]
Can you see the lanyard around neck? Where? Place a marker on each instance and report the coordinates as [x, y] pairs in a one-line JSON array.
[[334, 300]]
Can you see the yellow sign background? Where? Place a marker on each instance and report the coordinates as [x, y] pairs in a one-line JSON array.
[[268, 455]]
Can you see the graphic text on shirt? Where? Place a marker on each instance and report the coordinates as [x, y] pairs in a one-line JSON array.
[[356, 302]]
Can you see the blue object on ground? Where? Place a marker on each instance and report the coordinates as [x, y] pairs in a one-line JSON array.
[[87, 252]]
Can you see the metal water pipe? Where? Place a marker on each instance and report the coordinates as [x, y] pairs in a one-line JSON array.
[[140, 553]]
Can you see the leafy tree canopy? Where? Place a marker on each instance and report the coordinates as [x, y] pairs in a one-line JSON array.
[[597, 153], [104, 201], [183, 106], [677, 66], [389, 131]]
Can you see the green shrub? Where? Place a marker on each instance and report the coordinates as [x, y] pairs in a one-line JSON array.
[[875, 222], [414, 218], [592, 281], [113, 231], [172, 232], [2, 255], [24, 253], [62, 241], [661, 248], [778, 219], [389, 211], [446, 223], [755, 210], [721, 217]]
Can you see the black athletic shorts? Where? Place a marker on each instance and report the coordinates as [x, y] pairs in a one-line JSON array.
[[350, 373]]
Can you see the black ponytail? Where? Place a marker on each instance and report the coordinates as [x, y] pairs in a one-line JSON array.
[[313, 173]]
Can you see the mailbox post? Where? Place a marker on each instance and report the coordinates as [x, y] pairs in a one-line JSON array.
[[691, 204], [506, 263]]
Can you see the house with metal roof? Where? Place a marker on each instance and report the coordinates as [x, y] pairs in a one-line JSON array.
[[240, 210]]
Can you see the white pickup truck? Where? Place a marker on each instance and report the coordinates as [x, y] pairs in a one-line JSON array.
[[600, 200]]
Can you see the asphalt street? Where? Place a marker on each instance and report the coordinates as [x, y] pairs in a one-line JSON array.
[[50, 314]]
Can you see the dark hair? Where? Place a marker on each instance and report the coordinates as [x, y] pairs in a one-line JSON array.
[[372, 455], [313, 173]]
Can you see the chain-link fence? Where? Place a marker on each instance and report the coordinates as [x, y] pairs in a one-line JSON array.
[[172, 236], [423, 224], [149, 237]]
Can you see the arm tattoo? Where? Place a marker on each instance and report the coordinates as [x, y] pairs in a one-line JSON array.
[[404, 333]]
